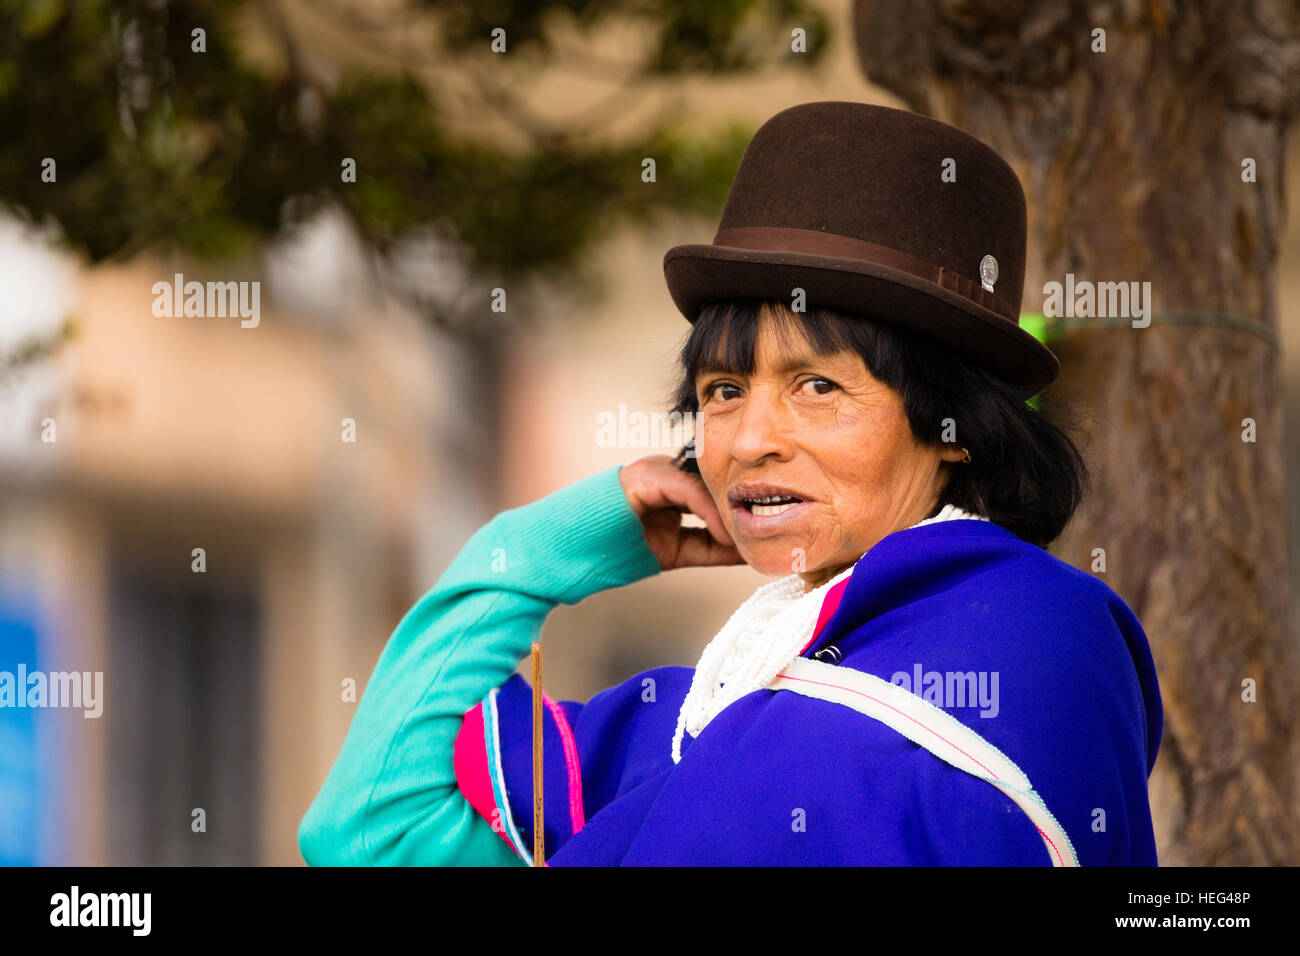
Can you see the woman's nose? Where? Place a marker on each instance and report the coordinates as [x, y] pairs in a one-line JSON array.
[[762, 429]]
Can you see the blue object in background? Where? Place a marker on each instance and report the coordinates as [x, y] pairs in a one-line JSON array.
[[21, 787]]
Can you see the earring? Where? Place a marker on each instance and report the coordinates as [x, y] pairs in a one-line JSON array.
[[966, 460]]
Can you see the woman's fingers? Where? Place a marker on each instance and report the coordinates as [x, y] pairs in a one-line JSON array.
[[688, 493], [660, 492], [701, 504]]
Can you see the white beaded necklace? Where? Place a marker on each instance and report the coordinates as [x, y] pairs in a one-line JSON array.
[[764, 634]]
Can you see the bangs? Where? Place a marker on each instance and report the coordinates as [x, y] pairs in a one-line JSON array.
[[725, 336]]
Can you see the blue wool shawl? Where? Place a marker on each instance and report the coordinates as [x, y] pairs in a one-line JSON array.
[[1042, 660]]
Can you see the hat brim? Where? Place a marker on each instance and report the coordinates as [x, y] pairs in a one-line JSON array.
[[701, 273]]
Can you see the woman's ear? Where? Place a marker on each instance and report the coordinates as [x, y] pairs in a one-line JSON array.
[[950, 451]]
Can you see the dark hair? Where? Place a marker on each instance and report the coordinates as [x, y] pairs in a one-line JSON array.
[[1025, 473]]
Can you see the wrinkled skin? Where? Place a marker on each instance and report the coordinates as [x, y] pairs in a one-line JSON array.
[[821, 426]]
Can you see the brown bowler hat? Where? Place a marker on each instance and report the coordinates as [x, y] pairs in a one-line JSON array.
[[849, 202]]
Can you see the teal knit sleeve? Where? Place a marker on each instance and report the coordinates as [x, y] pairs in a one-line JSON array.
[[391, 796]]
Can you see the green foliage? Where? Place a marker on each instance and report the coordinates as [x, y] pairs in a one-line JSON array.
[[207, 154], [717, 36]]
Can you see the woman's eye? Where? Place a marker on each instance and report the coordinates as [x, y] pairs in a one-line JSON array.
[[820, 386], [716, 390]]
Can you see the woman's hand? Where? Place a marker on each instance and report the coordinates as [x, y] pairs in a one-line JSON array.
[[660, 493]]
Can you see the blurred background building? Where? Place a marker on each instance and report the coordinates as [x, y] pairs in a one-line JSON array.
[[222, 688]]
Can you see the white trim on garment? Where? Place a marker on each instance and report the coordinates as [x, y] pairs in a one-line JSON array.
[[934, 729]]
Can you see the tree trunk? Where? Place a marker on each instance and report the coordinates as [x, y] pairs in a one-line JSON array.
[[1131, 162]]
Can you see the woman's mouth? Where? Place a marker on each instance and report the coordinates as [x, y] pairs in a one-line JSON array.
[[769, 514], [768, 506]]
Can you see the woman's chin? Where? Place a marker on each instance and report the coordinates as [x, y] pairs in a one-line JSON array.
[[772, 564]]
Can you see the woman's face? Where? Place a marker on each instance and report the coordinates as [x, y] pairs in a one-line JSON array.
[[819, 430]]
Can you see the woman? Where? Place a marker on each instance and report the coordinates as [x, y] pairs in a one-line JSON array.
[[923, 684]]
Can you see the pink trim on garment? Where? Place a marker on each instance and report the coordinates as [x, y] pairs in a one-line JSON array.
[[830, 604], [577, 817], [472, 776]]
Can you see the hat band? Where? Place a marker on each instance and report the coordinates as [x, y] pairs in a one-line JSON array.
[[814, 242]]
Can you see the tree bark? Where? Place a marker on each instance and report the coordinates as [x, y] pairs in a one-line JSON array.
[[1131, 162]]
